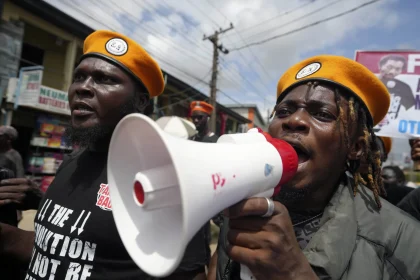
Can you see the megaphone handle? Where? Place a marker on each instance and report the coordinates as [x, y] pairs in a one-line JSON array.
[[246, 273]]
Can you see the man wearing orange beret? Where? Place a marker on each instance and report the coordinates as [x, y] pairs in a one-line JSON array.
[[200, 115], [327, 222], [75, 234]]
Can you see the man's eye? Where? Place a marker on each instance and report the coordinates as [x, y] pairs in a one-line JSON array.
[[324, 115], [282, 112], [105, 79], [78, 77]]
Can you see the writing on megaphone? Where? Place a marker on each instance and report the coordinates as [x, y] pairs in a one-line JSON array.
[[163, 189]]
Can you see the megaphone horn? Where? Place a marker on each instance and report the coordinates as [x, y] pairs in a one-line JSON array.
[[164, 189]]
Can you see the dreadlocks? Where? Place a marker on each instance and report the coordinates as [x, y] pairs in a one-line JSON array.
[[358, 118]]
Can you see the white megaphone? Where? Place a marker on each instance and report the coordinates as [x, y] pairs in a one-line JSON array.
[[164, 189]]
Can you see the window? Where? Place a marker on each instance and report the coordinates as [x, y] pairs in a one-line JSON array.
[[31, 56]]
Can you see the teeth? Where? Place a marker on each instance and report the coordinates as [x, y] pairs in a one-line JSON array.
[[83, 108]]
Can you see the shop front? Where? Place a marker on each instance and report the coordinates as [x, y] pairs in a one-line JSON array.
[[40, 114]]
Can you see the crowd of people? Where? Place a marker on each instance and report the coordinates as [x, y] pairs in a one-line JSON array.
[[342, 216]]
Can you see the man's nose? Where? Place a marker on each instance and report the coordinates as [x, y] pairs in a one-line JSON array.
[[85, 88], [297, 122]]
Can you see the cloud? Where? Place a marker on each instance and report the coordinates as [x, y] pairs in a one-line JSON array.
[[172, 31], [405, 46]]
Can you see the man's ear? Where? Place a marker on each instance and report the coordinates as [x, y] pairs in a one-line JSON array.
[[357, 148], [142, 101]]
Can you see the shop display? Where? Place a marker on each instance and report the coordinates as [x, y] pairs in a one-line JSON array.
[[48, 147]]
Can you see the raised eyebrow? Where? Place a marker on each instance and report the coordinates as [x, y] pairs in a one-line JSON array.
[[318, 103]]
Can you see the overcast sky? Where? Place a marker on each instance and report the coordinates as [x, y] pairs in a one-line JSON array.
[[172, 31]]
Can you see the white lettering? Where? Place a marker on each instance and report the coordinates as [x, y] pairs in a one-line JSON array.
[[36, 264], [75, 248], [65, 246], [89, 251], [43, 267], [59, 215], [73, 271], [57, 238], [55, 264], [86, 271], [56, 207], [413, 62], [65, 217]]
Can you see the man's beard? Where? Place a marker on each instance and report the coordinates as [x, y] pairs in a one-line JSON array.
[[290, 195], [98, 134]]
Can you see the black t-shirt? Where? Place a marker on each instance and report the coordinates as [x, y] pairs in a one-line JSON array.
[[75, 234], [209, 138], [401, 95], [394, 194], [411, 203]]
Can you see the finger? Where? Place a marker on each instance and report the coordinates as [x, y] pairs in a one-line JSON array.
[[256, 206], [13, 196], [14, 189], [249, 223], [411, 142], [247, 239], [240, 254], [245, 256], [15, 181], [8, 202], [415, 143], [415, 154]]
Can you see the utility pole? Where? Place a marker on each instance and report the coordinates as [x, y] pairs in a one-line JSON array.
[[213, 83]]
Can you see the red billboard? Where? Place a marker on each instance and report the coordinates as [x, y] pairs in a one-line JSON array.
[[400, 73]]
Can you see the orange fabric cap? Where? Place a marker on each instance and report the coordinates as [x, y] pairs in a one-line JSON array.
[[202, 107], [387, 143], [127, 54], [344, 72]]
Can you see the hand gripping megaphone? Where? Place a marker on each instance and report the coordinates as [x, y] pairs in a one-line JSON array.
[[164, 189]]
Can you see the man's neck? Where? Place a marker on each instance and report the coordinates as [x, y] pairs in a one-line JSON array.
[[5, 149], [204, 132], [313, 202], [100, 146]]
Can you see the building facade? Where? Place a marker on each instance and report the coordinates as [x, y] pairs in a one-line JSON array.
[[33, 34], [251, 112]]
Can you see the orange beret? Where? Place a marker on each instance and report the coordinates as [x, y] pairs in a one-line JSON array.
[[201, 106], [344, 72], [387, 143], [129, 55]]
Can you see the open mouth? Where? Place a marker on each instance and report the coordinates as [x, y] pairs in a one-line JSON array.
[[303, 155], [81, 109]]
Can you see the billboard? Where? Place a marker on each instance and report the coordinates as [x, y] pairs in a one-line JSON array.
[[400, 72]]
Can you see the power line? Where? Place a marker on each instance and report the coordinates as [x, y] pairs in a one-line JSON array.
[[250, 50], [239, 84], [170, 26], [203, 12], [165, 61], [306, 26], [228, 69], [154, 31], [305, 16], [279, 15]]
